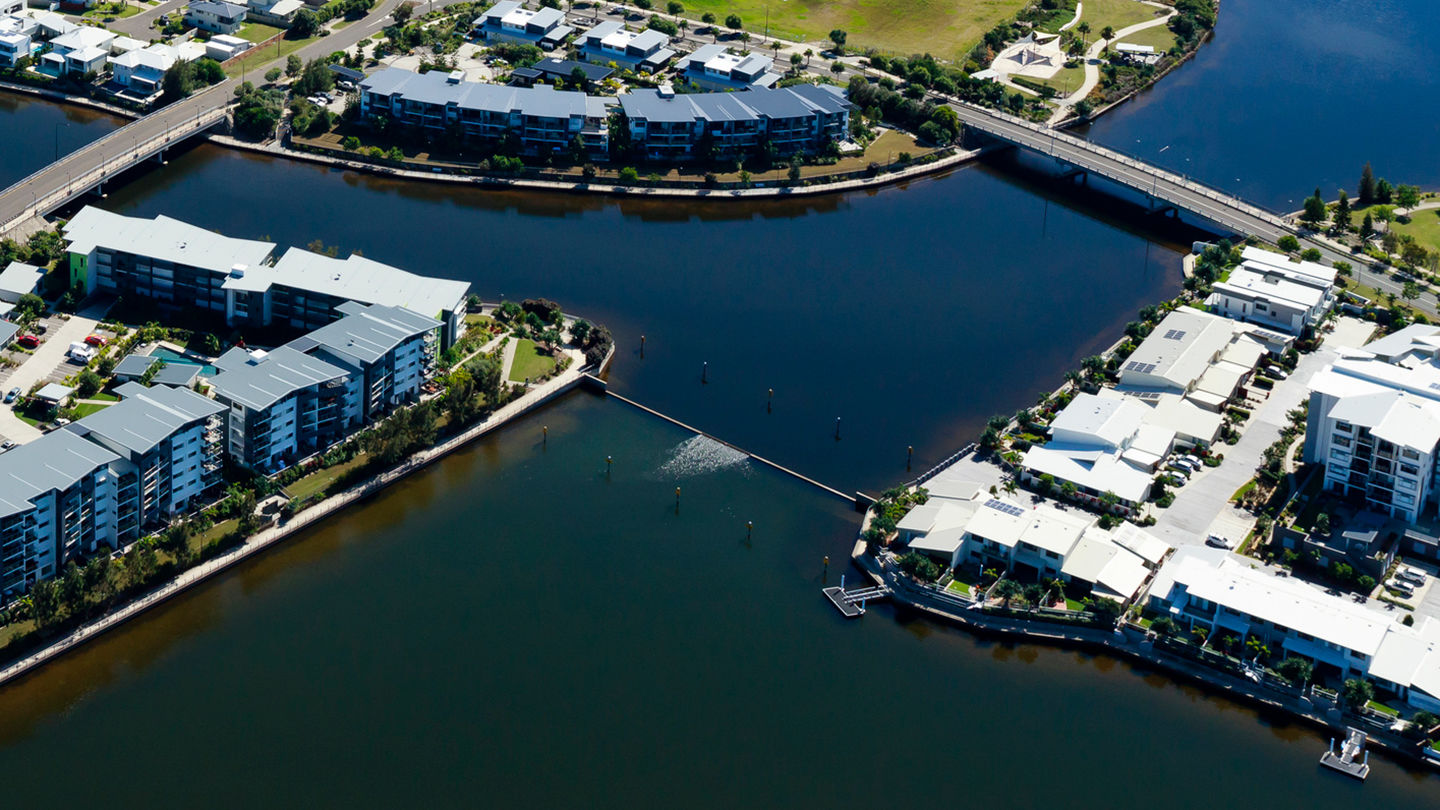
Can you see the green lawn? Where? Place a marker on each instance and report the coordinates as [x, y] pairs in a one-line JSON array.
[[319, 481], [213, 534], [106, 396], [1158, 37], [478, 321], [260, 58], [1067, 81], [956, 586], [530, 361], [257, 32], [946, 28], [1099, 13], [1073, 604], [1383, 709], [1424, 226], [84, 409], [106, 11]]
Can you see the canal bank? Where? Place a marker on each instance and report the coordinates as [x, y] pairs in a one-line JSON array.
[[285, 527]]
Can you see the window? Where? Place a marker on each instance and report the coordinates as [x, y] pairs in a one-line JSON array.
[[1410, 454], [1342, 441], [1409, 469], [1337, 453], [1343, 427]]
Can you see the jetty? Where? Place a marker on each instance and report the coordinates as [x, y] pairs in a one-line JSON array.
[[851, 604], [1352, 759]]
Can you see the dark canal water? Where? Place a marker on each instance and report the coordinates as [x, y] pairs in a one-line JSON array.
[[34, 132], [516, 628], [1294, 94]]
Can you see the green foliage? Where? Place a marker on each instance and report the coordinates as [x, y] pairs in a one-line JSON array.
[[1297, 671], [919, 566], [1356, 693], [1288, 243], [663, 25]]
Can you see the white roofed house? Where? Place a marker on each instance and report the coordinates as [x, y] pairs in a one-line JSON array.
[[641, 51], [1032, 543], [1202, 587], [77, 53], [1269, 290], [142, 72], [14, 46], [215, 16], [510, 21], [1203, 357], [714, 67], [1102, 445]]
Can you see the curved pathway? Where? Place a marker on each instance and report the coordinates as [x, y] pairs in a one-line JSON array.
[[1092, 60]]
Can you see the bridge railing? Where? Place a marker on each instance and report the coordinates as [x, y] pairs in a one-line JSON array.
[[1119, 156], [203, 117]]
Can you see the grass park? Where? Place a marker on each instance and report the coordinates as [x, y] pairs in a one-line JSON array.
[[530, 361], [946, 28]]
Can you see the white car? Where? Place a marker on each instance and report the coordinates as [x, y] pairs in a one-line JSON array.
[[1219, 542], [1414, 576], [1400, 586]]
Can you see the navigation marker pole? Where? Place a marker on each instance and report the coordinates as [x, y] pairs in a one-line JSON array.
[[677, 500], [909, 457], [642, 347], [837, 428], [705, 373], [770, 401], [544, 435], [608, 462]]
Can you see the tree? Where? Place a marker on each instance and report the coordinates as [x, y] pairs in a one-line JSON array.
[[1356, 693], [1411, 290], [1314, 210], [919, 566], [1288, 243], [293, 65], [1367, 227], [675, 7], [45, 601], [273, 74], [306, 24], [403, 13], [733, 22], [1034, 594], [1107, 33], [1007, 590], [1342, 211], [1366, 195], [88, 384], [1407, 196], [1068, 490], [72, 587], [1322, 523], [1384, 192], [1297, 671], [838, 36], [1164, 626], [707, 18], [837, 67], [30, 305], [314, 78]]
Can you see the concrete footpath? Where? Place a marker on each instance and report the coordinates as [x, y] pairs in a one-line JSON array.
[[537, 396]]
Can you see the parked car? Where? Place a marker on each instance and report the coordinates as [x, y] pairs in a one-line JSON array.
[[7, 445], [1412, 575], [1401, 587], [95, 340], [1180, 469], [1276, 372], [1219, 542], [61, 422], [1193, 459], [42, 327], [1184, 464], [12, 395], [28, 340], [1175, 479]]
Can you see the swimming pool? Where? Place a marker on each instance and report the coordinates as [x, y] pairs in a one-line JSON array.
[[171, 356]]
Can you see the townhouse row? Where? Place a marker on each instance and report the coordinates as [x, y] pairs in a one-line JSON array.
[[661, 124]]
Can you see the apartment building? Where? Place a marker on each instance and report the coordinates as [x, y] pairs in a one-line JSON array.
[[184, 267], [171, 439], [665, 125], [283, 405], [1374, 422], [59, 498], [1102, 445], [389, 350], [178, 265], [540, 119], [1202, 357]]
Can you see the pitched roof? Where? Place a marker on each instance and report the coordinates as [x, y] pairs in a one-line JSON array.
[[142, 421], [366, 333], [258, 380], [162, 238], [54, 461], [357, 279]]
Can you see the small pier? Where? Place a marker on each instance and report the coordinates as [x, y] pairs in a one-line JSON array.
[[851, 604], [1352, 759]]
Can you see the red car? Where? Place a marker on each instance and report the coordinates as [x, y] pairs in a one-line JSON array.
[[27, 340], [95, 340]]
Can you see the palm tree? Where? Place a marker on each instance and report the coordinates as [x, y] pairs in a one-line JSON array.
[[1007, 590]]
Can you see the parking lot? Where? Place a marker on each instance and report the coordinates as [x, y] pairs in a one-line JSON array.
[[48, 363]]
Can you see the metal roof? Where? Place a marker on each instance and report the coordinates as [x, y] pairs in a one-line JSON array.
[[366, 333], [19, 278], [360, 279], [55, 461], [142, 421], [260, 380], [162, 238]]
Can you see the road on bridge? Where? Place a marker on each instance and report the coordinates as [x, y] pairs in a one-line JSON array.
[[80, 169]]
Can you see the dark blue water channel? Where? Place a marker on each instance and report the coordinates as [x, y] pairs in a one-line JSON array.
[[34, 132]]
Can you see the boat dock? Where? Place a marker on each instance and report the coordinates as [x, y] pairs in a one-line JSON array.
[[1345, 760], [851, 604]]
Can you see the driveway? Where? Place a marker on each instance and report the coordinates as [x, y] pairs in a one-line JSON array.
[[48, 361], [1202, 507]]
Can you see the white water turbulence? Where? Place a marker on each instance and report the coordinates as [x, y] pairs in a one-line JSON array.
[[699, 455]]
